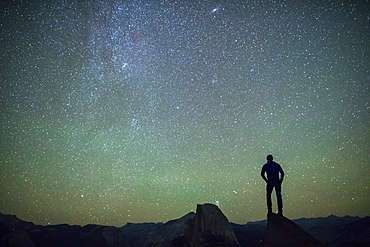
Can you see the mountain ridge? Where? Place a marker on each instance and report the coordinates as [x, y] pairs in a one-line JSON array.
[[328, 230]]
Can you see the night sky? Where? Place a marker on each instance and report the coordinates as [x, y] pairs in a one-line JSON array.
[[136, 111]]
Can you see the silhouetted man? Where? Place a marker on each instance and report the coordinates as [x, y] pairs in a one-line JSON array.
[[273, 181]]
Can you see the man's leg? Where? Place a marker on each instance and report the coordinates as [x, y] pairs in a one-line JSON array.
[[279, 198], [269, 189]]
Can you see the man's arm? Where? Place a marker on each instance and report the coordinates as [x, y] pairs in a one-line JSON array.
[[263, 174], [281, 174]]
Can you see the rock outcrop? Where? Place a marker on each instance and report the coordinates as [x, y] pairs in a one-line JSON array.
[[282, 232], [210, 227], [167, 234]]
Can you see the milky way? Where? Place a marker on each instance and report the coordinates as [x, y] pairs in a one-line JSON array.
[[135, 111]]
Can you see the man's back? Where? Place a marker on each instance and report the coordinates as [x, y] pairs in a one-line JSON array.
[[272, 169]]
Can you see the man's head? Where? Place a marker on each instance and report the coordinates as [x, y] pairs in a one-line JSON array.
[[269, 157]]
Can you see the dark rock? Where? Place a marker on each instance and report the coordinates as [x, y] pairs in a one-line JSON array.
[[55, 235], [250, 234], [282, 232], [325, 229], [13, 232], [17, 238], [356, 234], [12, 222], [137, 233], [209, 227], [171, 233], [107, 236], [206, 228]]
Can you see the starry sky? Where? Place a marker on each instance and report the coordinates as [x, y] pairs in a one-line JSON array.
[[136, 111]]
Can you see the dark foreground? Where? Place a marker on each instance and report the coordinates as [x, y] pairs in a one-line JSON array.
[[208, 227]]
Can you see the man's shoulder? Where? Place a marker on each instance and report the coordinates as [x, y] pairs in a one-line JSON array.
[[279, 166], [266, 164], [272, 164]]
